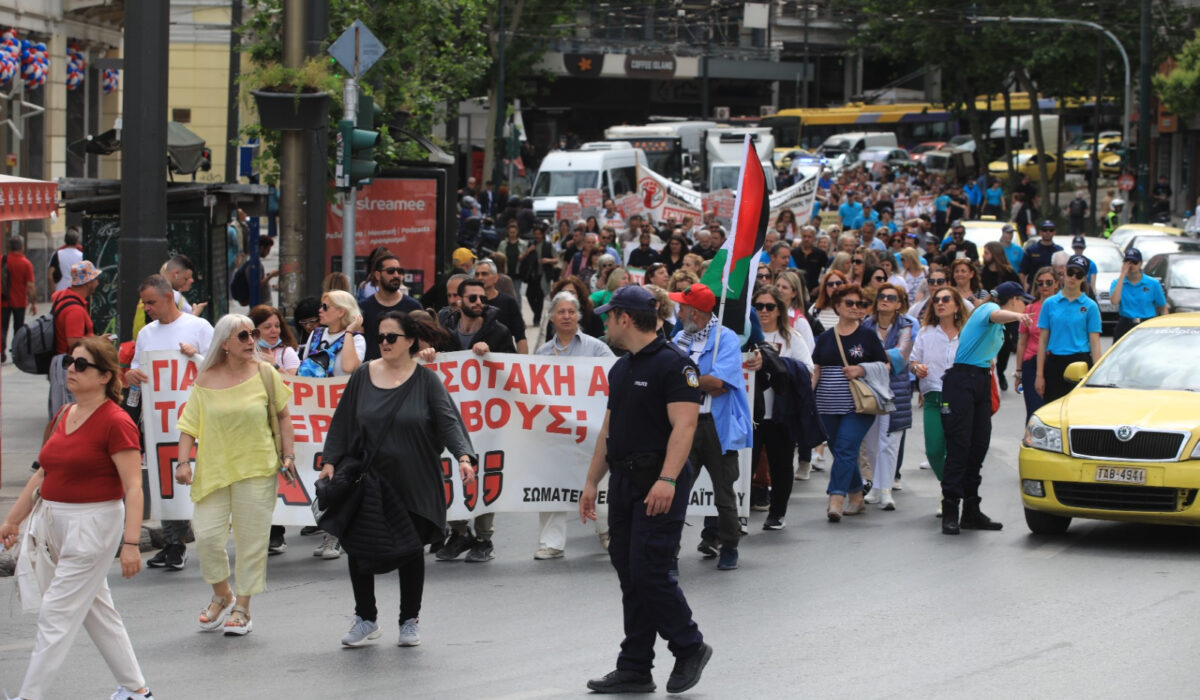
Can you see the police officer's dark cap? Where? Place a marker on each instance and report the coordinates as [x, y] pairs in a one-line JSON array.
[[1047, 224], [633, 298]]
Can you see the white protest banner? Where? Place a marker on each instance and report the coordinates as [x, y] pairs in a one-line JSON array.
[[630, 205], [666, 201], [798, 197], [568, 211], [533, 422]]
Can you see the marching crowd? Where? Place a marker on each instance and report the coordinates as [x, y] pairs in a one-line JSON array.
[[858, 325]]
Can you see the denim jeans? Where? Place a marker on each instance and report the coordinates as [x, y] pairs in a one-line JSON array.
[[846, 432]]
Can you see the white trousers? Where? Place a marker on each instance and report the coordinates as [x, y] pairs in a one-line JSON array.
[[883, 450], [83, 538], [552, 529]]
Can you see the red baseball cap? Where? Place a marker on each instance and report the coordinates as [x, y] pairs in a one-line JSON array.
[[698, 296]]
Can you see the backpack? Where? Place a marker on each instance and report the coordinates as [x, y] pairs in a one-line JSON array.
[[4, 283], [33, 343], [320, 364], [1076, 207], [239, 286]]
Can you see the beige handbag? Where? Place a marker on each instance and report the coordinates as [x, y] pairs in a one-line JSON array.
[[864, 399], [264, 373]]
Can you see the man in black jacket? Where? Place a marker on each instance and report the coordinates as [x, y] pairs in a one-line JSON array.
[[474, 327], [643, 255]]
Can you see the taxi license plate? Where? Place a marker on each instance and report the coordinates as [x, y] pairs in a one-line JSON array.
[[1107, 307], [1122, 475]]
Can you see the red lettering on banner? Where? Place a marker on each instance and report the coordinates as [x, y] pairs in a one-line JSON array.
[[320, 426], [470, 383], [564, 380], [293, 494], [490, 410], [190, 372], [528, 413], [494, 368], [168, 454], [560, 414], [537, 380], [516, 380], [493, 476], [470, 493], [299, 426], [156, 369], [317, 461], [301, 392], [447, 369], [599, 383], [471, 411], [581, 428], [447, 482], [335, 394], [163, 408]]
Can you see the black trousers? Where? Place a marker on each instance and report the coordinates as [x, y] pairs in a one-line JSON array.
[[773, 437], [967, 423], [1124, 325], [1007, 349], [537, 299], [17, 316], [412, 588], [723, 469], [642, 550], [1052, 371]]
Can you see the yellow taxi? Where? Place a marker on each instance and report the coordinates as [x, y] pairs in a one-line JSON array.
[[1124, 444], [1025, 162], [1075, 159], [1112, 163]]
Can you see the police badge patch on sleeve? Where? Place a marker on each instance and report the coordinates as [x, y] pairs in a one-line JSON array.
[[693, 379]]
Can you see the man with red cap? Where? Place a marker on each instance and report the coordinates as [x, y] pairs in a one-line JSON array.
[[725, 424]]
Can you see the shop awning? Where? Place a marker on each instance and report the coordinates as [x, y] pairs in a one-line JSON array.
[[22, 198]]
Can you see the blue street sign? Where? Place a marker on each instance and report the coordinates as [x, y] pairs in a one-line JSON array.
[[369, 48]]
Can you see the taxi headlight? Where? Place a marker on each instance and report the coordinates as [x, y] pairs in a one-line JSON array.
[[1040, 436]]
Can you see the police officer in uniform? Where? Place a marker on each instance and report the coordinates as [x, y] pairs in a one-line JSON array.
[[967, 406], [1136, 296], [653, 407]]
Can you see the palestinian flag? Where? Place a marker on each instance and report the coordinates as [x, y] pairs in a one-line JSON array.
[[731, 273]]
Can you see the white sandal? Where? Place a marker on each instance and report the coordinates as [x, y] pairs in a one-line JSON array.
[[215, 623], [238, 630]]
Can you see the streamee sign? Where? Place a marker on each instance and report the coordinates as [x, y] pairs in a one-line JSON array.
[[398, 214]]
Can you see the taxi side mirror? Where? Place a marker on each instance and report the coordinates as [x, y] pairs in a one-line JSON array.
[[1075, 372]]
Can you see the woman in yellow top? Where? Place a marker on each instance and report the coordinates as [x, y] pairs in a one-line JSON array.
[[236, 474]]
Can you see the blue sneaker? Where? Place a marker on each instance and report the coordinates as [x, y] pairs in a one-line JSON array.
[[361, 632], [728, 560]]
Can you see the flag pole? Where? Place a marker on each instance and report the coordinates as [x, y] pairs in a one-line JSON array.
[[731, 242]]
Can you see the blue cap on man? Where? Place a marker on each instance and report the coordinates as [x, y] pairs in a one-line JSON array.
[[633, 298]]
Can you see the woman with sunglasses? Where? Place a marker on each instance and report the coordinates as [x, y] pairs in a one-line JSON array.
[[861, 267], [823, 313], [933, 353], [965, 277], [235, 480], [769, 434], [336, 347], [396, 418], [831, 374], [1070, 332], [895, 331], [90, 481], [1045, 285]]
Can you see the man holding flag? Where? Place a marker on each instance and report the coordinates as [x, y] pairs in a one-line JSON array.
[[712, 339]]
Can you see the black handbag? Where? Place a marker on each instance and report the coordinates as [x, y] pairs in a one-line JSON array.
[[339, 496]]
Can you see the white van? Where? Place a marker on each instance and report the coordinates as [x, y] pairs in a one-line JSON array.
[[610, 166], [842, 150], [1020, 132]]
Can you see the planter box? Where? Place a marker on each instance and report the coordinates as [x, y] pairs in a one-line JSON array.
[[289, 111]]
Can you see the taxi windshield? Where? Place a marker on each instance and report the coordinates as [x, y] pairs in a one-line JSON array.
[[1147, 359]]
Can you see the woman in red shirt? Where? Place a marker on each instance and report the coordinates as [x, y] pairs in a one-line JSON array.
[[91, 485]]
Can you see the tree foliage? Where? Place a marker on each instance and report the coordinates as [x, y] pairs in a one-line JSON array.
[[1180, 89]]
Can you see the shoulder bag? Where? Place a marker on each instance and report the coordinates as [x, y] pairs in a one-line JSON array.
[[864, 399], [264, 373]]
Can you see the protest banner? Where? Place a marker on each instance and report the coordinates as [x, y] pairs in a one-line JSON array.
[[798, 197], [664, 200], [532, 420], [395, 213], [568, 211], [630, 205]]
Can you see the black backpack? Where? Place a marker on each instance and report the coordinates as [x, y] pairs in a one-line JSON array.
[[33, 343], [239, 286]]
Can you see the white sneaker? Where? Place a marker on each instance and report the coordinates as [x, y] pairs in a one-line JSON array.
[[410, 633], [329, 548], [887, 502], [605, 538], [124, 693], [361, 632], [939, 511], [897, 486], [548, 553], [925, 464], [872, 497], [803, 471]]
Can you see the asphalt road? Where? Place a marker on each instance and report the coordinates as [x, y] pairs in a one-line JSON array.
[[877, 606]]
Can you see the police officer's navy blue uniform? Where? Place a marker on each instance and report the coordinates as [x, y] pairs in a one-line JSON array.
[[642, 548]]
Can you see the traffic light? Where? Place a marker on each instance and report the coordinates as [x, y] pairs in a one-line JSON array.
[[356, 145]]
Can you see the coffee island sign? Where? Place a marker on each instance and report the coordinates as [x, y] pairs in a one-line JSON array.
[[650, 65]]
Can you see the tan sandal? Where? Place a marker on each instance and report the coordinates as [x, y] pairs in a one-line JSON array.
[[207, 622], [239, 623]]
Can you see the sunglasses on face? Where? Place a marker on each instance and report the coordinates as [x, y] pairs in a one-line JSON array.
[[857, 261], [81, 364], [887, 297], [245, 335], [473, 298], [768, 306], [324, 306], [862, 304], [308, 322], [1076, 273], [834, 283], [392, 270], [763, 275], [1047, 283], [879, 278], [937, 281], [945, 299], [389, 338]]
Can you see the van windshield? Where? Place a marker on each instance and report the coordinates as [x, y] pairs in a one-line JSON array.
[[563, 183]]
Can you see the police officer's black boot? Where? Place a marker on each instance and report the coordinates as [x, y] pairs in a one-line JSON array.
[[974, 519], [950, 516]]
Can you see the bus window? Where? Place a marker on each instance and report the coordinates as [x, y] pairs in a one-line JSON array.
[[786, 130]]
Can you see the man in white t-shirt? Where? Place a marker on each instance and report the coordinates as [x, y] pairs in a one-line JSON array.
[[169, 329], [62, 260]]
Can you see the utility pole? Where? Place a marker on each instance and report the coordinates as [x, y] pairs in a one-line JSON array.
[[804, 97], [497, 161], [292, 186], [349, 196], [1143, 165], [142, 245], [1093, 171], [231, 109]]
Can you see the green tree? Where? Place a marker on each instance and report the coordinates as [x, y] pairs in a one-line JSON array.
[[1180, 89]]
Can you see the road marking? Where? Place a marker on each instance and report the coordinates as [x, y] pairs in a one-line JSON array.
[[17, 646]]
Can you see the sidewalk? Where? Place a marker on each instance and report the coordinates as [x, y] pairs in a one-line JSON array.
[[22, 422]]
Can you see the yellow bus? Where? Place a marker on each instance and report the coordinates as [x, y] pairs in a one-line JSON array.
[[808, 128]]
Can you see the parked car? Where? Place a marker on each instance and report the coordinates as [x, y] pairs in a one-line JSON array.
[[1075, 159], [1124, 443], [876, 157], [1150, 245], [1025, 162], [1124, 232], [917, 153], [1112, 164], [1180, 277]]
